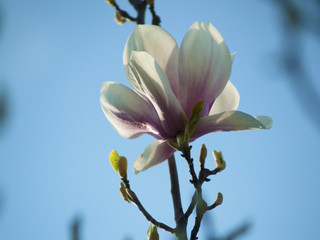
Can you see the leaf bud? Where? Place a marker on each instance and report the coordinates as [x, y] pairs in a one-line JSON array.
[[219, 199], [220, 163], [123, 192], [114, 160], [203, 155], [123, 165], [152, 233]]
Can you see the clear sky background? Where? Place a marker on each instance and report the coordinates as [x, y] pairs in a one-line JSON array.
[[54, 146]]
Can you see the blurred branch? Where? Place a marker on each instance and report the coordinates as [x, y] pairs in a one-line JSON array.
[[121, 16], [75, 228], [296, 21]]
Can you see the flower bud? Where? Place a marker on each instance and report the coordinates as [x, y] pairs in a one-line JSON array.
[[123, 192], [220, 163], [203, 155], [114, 160], [217, 202], [123, 165], [219, 199], [152, 233]]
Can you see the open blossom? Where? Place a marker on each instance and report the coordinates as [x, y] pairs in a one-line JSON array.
[[167, 82]]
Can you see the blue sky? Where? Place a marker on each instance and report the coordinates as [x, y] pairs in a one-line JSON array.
[[54, 151]]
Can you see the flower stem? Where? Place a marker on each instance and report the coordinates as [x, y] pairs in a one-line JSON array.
[[181, 221]]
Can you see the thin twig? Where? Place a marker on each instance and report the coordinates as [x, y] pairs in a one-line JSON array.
[[133, 198]]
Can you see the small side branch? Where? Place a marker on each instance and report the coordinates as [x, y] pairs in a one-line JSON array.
[[134, 199]]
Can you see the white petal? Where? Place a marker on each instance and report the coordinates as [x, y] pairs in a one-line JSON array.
[[149, 80], [204, 66], [128, 113], [157, 152], [227, 100], [160, 45], [228, 121]]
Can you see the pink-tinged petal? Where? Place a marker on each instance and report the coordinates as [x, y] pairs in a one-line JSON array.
[[157, 152], [204, 66], [149, 80], [128, 113], [229, 121], [160, 45], [227, 100]]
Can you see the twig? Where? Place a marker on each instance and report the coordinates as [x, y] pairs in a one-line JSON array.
[[133, 197]]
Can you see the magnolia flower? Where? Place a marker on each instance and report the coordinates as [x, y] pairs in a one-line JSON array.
[[167, 82]]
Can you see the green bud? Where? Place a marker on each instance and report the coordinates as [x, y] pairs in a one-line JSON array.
[[203, 155], [114, 160], [217, 202], [220, 163], [219, 199], [123, 192], [152, 233], [123, 165]]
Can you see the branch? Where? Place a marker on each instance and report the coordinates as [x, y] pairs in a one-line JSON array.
[[133, 198], [176, 198]]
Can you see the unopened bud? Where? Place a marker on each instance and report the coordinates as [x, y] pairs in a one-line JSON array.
[[123, 192], [203, 155], [114, 160], [220, 163], [217, 202], [111, 2], [152, 233], [123, 165], [219, 199], [119, 18]]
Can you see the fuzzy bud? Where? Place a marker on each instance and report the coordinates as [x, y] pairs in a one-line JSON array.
[[220, 163], [203, 155], [152, 233], [123, 165], [219, 199], [123, 192]]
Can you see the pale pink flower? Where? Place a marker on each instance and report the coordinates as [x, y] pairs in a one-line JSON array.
[[168, 81]]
